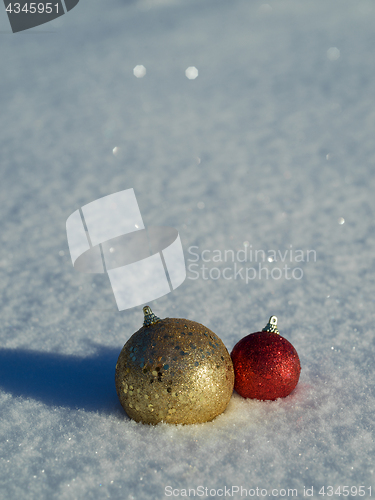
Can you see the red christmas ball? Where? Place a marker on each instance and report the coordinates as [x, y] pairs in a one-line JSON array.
[[266, 366]]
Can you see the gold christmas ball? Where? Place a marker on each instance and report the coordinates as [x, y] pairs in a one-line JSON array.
[[174, 370]]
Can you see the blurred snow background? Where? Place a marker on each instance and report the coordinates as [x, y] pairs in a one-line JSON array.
[[273, 145]]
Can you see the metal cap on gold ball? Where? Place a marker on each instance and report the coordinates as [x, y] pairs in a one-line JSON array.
[[175, 371]]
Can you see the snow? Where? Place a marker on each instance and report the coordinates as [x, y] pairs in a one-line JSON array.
[[271, 144]]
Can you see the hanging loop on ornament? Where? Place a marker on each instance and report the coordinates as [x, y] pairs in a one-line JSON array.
[[271, 326], [150, 317]]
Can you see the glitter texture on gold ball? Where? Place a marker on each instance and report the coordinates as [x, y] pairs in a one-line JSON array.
[[174, 370]]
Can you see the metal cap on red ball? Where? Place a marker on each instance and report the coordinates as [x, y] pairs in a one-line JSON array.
[[266, 366]]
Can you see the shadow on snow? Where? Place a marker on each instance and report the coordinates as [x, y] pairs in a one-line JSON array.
[[62, 380]]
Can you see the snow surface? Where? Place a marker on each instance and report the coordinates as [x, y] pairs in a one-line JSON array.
[[272, 144]]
